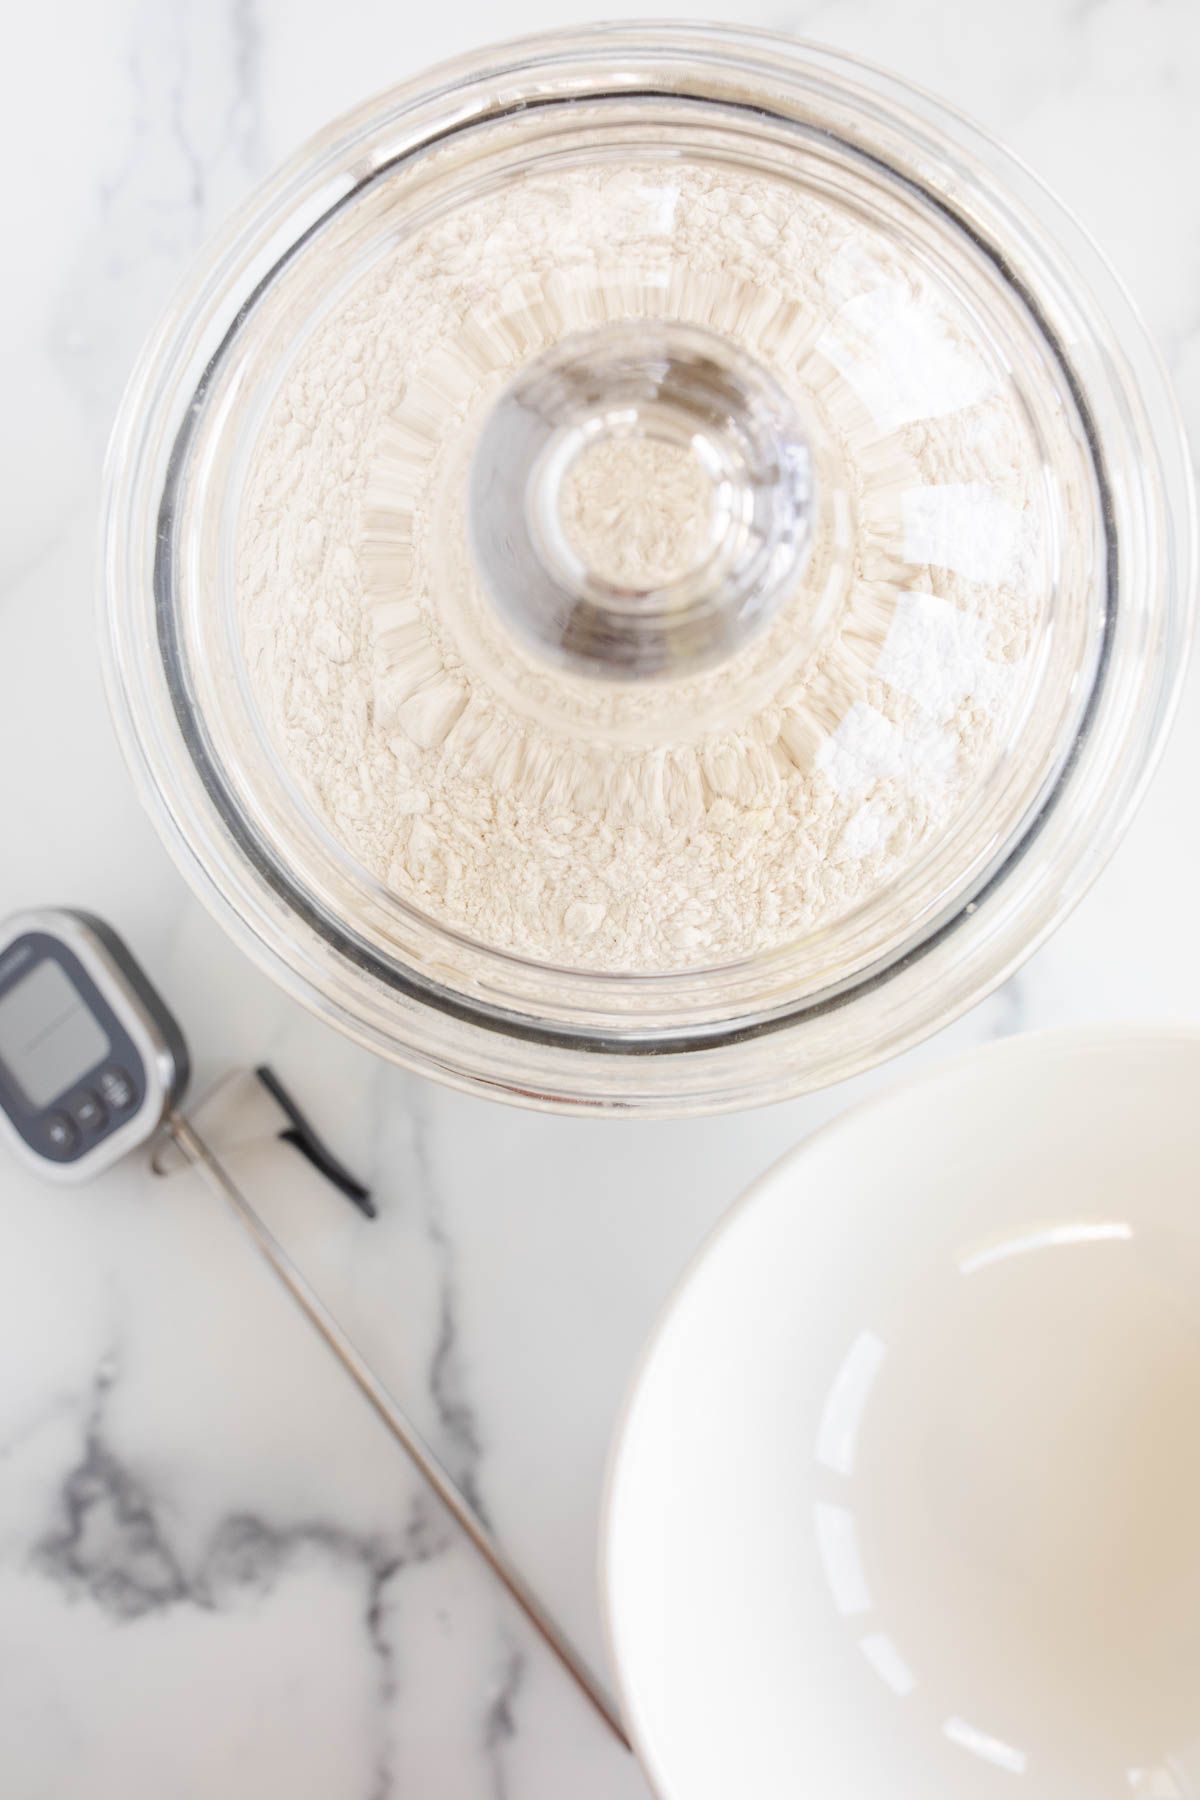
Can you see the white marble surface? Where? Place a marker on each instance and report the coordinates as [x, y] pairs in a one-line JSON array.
[[216, 1574]]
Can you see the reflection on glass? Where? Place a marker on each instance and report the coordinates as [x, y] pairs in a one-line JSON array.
[[888, 1663], [990, 1749], [844, 1404], [1155, 1784], [837, 1541], [1048, 1237]]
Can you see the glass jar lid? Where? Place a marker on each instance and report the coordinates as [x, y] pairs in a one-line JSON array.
[[666, 540]]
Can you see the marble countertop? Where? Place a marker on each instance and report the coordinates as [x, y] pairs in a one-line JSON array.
[[217, 1574]]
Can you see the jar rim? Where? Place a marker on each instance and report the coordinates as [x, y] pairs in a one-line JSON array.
[[556, 1063]]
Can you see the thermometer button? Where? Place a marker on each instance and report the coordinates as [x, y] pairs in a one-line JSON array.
[[89, 1112], [116, 1088], [61, 1133]]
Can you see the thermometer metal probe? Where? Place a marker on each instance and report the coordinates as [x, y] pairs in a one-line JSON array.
[[218, 1179]]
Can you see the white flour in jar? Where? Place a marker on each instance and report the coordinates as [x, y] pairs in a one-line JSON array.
[[647, 827]]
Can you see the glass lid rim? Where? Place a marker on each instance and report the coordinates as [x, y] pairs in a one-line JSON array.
[[407, 981]]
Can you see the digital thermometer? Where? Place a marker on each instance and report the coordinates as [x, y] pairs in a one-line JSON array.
[[92, 1064], [91, 1059]]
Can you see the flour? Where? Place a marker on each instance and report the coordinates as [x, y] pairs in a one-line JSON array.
[[641, 827], [638, 513]]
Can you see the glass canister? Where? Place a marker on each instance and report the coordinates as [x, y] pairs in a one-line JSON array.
[[646, 570]]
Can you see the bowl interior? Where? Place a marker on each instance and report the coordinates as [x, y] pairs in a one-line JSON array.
[[907, 1496]]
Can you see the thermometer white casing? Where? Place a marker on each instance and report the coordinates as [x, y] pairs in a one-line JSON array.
[[134, 1007]]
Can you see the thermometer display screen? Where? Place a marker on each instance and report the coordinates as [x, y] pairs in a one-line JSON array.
[[49, 1036]]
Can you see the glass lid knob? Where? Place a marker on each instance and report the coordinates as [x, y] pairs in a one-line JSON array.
[[641, 501]]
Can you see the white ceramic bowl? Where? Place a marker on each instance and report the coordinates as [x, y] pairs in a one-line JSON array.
[[906, 1499]]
